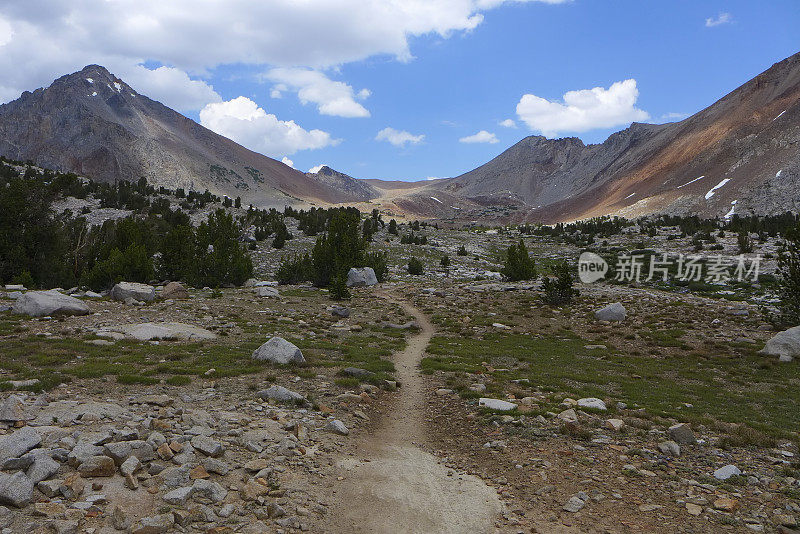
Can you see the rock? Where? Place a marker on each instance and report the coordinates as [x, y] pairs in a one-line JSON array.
[[278, 350], [670, 448], [694, 509], [219, 467], [682, 433], [496, 404], [52, 303], [355, 372], [156, 524], [18, 443], [592, 403], [132, 290], [49, 509], [119, 518], [97, 466], [337, 427], [178, 496], [340, 311], [267, 292], [72, 487], [13, 409], [16, 489], [359, 277], [165, 331], [568, 416], [574, 504], [130, 466], [615, 424], [209, 490], [118, 451], [726, 472], [43, 468], [726, 504], [208, 446], [174, 290], [281, 394], [612, 312], [785, 345]]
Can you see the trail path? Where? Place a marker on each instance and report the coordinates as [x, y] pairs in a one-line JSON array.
[[392, 485]]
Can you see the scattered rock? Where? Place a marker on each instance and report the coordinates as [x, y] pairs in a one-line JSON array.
[[615, 424], [281, 394], [18, 443], [208, 446], [163, 331], [670, 448], [574, 504], [97, 466], [267, 292], [726, 472], [592, 403], [16, 489], [359, 277], [337, 427]]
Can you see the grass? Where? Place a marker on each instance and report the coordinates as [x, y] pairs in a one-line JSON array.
[[753, 393]]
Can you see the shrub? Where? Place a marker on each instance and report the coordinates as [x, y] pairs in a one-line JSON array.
[[415, 266], [295, 270], [393, 227], [221, 259], [462, 251], [338, 287], [519, 265], [745, 243], [559, 290], [445, 261]]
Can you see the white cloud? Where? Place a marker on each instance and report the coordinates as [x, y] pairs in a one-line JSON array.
[[722, 18], [508, 123], [331, 97], [170, 86], [399, 137], [51, 38], [582, 110], [672, 116], [316, 168], [243, 121], [6, 32], [481, 137], [287, 161]]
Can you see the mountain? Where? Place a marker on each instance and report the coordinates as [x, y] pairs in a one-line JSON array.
[[94, 124], [355, 189], [741, 154]]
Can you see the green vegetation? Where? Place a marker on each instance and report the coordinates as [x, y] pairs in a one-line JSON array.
[[789, 279], [559, 291], [518, 265], [415, 266]]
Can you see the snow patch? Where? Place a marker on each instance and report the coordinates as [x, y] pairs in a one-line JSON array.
[[455, 207], [436, 200], [778, 174], [779, 114], [629, 196], [118, 86], [94, 93], [693, 181], [90, 80], [733, 209], [713, 190]]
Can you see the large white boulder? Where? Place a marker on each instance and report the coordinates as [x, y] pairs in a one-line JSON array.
[[785, 345], [361, 276], [612, 312], [496, 404], [167, 331], [42, 303], [141, 292], [278, 350]]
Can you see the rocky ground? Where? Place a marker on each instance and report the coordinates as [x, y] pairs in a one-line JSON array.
[[666, 421]]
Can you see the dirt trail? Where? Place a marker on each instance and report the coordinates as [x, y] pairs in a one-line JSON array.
[[394, 486]]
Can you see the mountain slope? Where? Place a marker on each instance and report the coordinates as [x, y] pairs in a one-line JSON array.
[[748, 141], [94, 124]]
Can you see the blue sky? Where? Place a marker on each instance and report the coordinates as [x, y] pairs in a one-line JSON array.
[[445, 75]]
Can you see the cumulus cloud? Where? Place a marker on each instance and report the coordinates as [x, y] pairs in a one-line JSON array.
[[508, 123], [673, 116], [331, 97], [243, 121], [399, 138], [51, 38], [170, 86], [287, 161], [481, 137], [582, 110], [722, 18], [316, 168]]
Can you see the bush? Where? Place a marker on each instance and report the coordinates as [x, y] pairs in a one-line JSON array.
[[393, 227], [445, 261], [462, 251], [415, 266], [559, 290], [745, 243], [789, 280], [338, 287], [295, 270], [379, 264], [519, 265], [221, 259]]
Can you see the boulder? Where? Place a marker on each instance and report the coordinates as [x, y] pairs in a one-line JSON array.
[[496, 404], [278, 350], [174, 290], [43, 303], [726, 472], [682, 433], [337, 427], [97, 466], [592, 403], [785, 345], [18, 443], [132, 290], [14, 409], [612, 312], [362, 276], [267, 291], [167, 331]]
